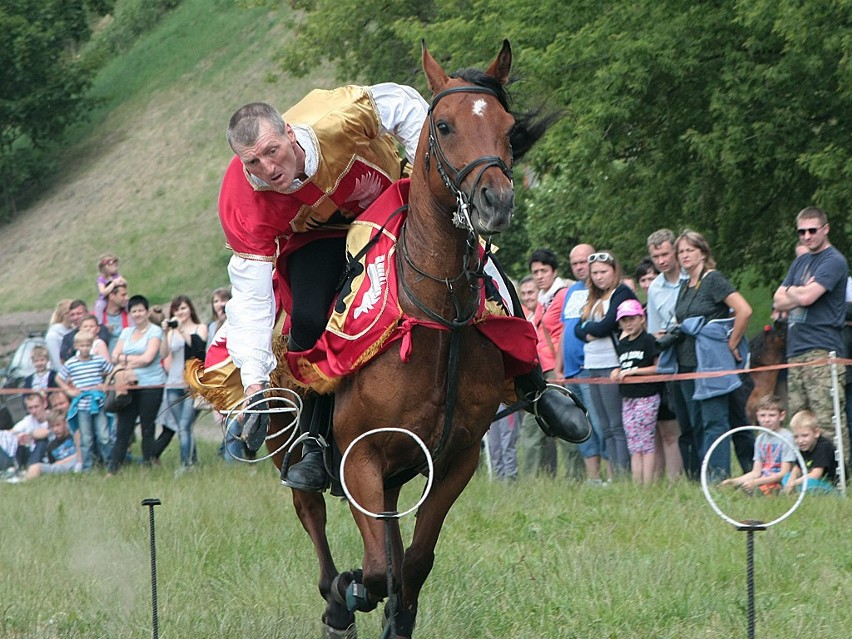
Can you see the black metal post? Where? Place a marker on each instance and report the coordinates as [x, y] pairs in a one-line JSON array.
[[151, 502], [749, 527]]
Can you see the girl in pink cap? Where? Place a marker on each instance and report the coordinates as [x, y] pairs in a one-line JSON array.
[[637, 355]]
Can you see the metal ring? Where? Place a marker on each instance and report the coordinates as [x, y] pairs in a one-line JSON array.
[[290, 403], [426, 490], [715, 507]]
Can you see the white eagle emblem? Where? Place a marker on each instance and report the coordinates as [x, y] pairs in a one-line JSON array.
[[378, 277], [367, 188]]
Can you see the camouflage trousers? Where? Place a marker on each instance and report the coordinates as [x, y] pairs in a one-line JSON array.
[[809, 387]]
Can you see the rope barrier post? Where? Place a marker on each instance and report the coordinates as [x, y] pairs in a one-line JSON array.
[[151, 502], [838, 424], [750, 525]]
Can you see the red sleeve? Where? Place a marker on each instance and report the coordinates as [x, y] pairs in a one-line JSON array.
[[253, 221]]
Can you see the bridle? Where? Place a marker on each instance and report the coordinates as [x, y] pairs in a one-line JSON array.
[[472, 268], [452, 176]]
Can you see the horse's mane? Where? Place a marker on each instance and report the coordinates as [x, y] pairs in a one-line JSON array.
[[530, 126], [756, 345]]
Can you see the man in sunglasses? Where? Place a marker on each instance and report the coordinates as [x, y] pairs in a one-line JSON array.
[[814, 297]]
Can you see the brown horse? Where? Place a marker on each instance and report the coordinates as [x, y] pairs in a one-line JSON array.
[[450, 389], [767, 349]]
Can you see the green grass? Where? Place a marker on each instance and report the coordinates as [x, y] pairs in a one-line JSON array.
[[536, 559]]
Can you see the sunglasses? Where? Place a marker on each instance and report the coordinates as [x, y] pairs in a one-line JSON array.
[[601, 257], [810, 231]]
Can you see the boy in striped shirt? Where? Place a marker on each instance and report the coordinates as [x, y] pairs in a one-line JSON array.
[[82, 377]]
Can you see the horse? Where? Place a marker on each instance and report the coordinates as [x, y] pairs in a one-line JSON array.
[[449, 390], [767, 348]]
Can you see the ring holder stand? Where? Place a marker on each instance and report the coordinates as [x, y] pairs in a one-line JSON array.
[[750, 526]]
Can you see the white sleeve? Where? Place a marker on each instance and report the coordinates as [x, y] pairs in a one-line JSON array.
[[402, 112], [251, 316]]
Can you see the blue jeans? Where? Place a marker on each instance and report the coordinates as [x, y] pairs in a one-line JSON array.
[[702, 422], [594, 446], [183, 410], [607, 402], [94, 427]]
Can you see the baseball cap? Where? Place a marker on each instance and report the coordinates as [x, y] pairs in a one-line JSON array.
[[629, 308]]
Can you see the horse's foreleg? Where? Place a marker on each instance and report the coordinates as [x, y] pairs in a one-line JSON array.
[[420, 556], [368, 490], [310, 507]]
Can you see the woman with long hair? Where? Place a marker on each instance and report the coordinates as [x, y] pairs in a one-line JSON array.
[[707, 294], [597, 328], [185, 337]]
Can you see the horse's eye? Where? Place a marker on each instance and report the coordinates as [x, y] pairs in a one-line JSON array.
[[443, 128]]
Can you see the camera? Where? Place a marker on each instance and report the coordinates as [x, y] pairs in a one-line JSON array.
[[173, 323], [669, 338]]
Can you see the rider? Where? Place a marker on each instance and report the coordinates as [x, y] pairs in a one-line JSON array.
[[285, 202]]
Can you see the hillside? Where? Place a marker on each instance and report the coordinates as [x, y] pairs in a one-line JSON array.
[[141, 178]]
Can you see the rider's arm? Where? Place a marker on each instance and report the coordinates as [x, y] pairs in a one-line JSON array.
[[402, 112], [251, 317]]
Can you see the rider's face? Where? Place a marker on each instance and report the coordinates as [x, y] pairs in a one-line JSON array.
[[273, 158]]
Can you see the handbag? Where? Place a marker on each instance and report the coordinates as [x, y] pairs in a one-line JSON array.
[[118, 395]]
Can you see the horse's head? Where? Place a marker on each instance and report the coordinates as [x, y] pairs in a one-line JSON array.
[[468, 155]]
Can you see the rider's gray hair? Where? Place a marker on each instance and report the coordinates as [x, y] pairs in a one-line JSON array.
[[244, 125]]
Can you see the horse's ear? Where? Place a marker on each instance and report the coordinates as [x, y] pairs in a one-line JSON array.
[[499, 69], [436, 77]]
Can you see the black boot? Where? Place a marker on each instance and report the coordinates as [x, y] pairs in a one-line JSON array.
[[558, 411], [309, 474]]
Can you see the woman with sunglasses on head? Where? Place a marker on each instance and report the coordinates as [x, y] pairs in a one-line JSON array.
[[706, 295], [597, 328]]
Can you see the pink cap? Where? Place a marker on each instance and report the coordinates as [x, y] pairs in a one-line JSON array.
[[629, 308]]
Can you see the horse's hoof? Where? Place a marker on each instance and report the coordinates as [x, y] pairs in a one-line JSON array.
[[333, 633]]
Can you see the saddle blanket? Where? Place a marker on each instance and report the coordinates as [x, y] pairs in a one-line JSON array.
[[367, 318]]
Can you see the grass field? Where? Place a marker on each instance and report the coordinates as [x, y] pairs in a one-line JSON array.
[[539, 558]]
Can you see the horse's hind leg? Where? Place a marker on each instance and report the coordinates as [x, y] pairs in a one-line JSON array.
[[339, 622]]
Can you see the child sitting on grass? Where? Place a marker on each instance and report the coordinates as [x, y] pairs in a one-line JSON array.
[[774, 455], [63, 450], [818, 453]]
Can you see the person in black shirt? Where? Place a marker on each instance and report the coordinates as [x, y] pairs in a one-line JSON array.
[[818, 453], [637, 355]]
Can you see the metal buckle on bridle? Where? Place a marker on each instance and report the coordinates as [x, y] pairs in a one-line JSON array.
[[461, 216]]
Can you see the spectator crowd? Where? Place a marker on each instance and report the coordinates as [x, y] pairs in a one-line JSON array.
[[78, 414], [617, 353], [595, 337]]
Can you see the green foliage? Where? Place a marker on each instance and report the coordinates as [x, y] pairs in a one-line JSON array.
[[131, 19], [44, 77], [723, 117]]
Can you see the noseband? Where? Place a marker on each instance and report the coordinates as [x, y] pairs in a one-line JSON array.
[[452, 176]]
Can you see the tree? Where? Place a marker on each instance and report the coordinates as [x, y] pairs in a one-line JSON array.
[[41, 85], [726, 117]]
